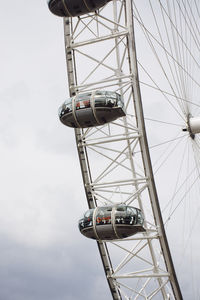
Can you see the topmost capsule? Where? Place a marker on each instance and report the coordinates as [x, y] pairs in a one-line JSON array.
[[74, 8]]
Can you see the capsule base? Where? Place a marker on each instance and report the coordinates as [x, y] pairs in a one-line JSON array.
[[106, 232], [85, 118], [74, 8]]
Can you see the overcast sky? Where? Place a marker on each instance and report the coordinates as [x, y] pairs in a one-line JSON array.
[[42, 254]]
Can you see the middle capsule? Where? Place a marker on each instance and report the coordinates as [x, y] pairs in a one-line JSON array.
[[91, 109]]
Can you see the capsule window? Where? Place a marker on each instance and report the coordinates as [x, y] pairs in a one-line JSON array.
[[111, 95], [120, 214], [109, 208], [119, 218], [140, 218], [100, 93], [83, 104], [103, 216], [100, 101], [110, 102], [66, 107], [119, 101], [82, 101], [129, 211], [86, 221], [121, 208], [84, 96], [89, 213], [114, 99]]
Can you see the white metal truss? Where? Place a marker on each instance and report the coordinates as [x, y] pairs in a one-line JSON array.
[[114, 158]]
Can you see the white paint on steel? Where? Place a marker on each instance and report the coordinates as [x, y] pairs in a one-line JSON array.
[[128, 144], [194, 124]]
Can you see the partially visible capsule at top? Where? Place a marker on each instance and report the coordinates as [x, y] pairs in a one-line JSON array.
[[73, 8], [91, 109]]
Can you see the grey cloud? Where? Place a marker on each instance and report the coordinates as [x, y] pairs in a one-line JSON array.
[[57, 273]]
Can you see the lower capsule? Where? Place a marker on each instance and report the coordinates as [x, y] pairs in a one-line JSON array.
[[111, 222]]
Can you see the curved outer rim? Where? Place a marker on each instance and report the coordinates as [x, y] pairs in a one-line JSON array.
[[146, 155]]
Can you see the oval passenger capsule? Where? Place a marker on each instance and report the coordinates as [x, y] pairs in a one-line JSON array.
[[91, 109], [73, 8], [111, 222]]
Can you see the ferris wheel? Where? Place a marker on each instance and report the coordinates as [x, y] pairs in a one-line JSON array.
[[137, 190]]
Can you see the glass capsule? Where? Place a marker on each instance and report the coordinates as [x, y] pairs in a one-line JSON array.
[[91, 109], [111, 222]]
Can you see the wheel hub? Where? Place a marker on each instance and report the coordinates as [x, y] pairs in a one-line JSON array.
[[193, 126]]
